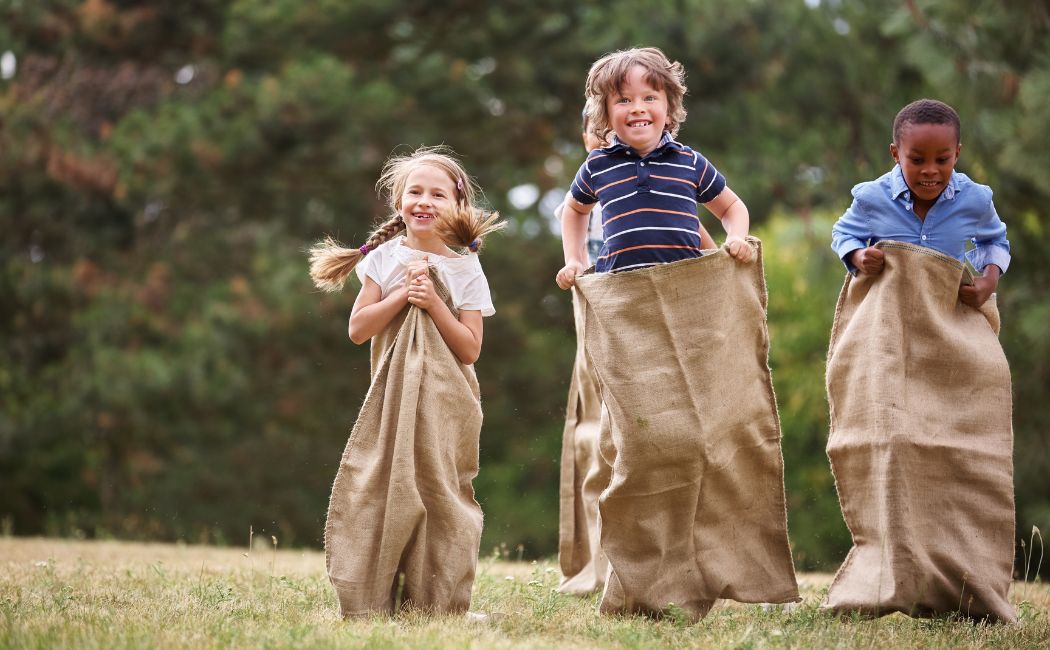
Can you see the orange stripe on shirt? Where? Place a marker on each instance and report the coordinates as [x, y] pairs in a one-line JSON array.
[[615, 183], [634, 248], [684, 214], [588, 187], [671, 178]]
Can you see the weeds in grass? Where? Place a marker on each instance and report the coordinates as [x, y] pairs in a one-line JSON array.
[[274, 559], [1028, 552], [399, 594]]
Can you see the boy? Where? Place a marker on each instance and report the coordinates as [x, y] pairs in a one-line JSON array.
[[924, 201], [649, 185], [693, 506], [584, 474], [919, 392]]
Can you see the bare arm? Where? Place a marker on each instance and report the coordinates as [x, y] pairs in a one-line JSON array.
[[463, 336], [707, 242], [372, 313], [734, 216], [574, 217]]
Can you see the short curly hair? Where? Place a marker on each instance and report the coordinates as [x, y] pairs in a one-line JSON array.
[[926, 111], [609, 73]]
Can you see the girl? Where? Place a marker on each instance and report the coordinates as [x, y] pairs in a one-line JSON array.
[[403, 525]]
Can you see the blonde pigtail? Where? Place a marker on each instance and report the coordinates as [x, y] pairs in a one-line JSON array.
[[467, 226], [331, 263]]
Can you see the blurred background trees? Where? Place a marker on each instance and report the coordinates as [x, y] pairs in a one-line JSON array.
[[167, 370]]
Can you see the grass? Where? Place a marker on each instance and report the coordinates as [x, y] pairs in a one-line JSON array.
[[75, 594]]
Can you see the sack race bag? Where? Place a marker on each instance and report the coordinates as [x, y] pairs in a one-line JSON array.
[[403, 525], [695, 509], [921, 442], [584, 474]]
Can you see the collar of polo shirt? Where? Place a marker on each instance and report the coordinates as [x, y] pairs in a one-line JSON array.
[[666, 141]]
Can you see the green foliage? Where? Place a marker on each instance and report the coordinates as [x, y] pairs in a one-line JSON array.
[[168, 372], [803, 280]]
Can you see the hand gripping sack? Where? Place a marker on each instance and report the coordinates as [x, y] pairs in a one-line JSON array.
[[403, 525]]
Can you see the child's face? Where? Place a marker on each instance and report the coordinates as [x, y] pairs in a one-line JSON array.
[[638, 112], [428, 191], [927, 154]]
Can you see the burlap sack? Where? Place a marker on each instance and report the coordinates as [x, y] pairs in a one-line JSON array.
[[921, 442], [695, 508], [403, 526], [584, 474]]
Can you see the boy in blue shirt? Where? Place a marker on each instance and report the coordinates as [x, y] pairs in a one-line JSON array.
[[924, 201], [921, 438]]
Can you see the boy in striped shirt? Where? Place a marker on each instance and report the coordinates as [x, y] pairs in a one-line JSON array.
[[649, 185]]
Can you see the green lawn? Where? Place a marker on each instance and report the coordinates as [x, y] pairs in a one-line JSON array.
[[61, 593]]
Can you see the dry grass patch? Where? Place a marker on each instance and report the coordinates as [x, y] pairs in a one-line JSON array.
[[59, 593]]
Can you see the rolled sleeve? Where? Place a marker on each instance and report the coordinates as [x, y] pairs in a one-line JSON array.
[[996, 254], [990, 243], [850, 233]]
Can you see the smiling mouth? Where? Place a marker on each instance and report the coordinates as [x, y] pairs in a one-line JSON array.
[[929, 184], [639, 123], [422, 215]]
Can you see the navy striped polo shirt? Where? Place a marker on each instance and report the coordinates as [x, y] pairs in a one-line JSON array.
[[649, 205]]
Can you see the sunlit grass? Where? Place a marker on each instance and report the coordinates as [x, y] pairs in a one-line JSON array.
[[58, 593]]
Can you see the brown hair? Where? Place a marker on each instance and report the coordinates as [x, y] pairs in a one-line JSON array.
[[609, 73], [463, 225]]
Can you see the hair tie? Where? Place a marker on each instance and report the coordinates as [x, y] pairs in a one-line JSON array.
[[459, 184], [475, 245], [364, 249]]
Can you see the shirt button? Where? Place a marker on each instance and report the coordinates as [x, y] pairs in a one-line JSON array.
[[642, 164], [924, 237]]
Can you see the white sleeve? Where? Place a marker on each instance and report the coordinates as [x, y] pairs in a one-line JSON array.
[[372, 266], [476, 295]]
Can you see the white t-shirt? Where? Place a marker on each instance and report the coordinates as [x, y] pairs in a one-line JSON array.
[[461, 274]]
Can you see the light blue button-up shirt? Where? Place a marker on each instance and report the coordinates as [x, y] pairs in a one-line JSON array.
[[963, 213]]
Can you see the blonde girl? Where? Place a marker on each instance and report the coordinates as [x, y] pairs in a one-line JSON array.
[[432, 199], [403, 525]]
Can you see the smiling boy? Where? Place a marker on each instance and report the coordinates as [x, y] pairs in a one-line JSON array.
[[924, 201], [919, 394], [693, 507], [649, 185]]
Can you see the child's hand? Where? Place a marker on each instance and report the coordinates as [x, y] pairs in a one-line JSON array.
[[739, 248], [868, 260], [979, 292], [566, 277], [421, 292], [415, 269]]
